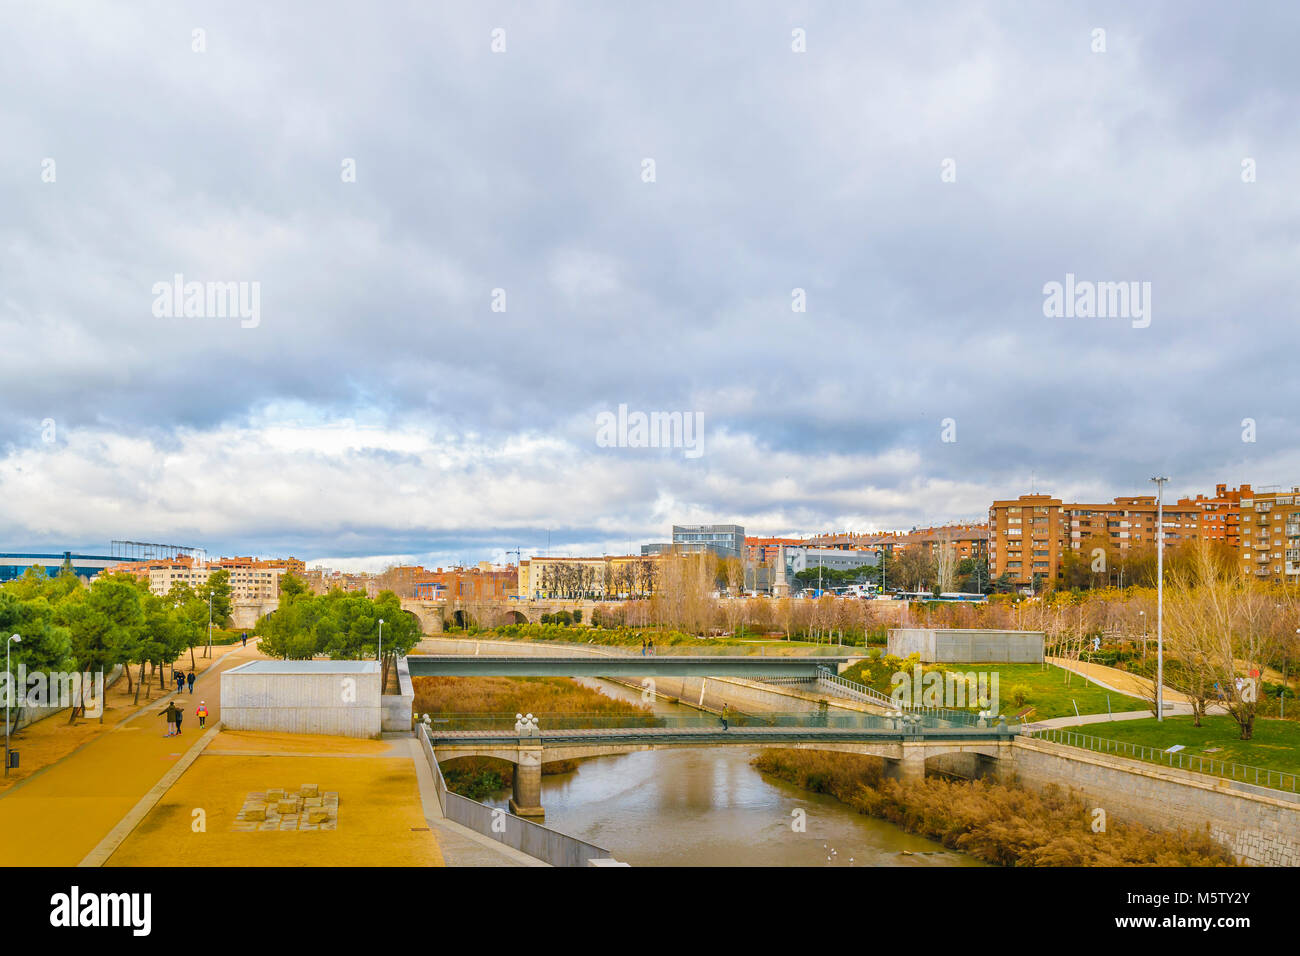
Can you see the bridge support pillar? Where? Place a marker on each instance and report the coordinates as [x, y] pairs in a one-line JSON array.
[[526, 800], [1000, 769], [910, 767]]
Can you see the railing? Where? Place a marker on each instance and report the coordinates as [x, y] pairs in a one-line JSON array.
[[1240, 773], [542, 843], [917, 720], [744, 648], [853, 689], [863, 692]]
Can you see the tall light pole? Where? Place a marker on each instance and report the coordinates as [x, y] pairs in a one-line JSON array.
[[380, 655], [1160, 596], [209, 653], [9, 694]]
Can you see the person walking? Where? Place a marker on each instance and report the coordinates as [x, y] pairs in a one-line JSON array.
[[244, 638], [180, 681], [170, 711], [643, 647], [724, 716], [651, 647], [201, 712], [189, 679], [180, 715]]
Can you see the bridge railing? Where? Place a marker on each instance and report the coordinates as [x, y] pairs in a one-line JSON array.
[[1241, 773], [505, 723], [738, 649]]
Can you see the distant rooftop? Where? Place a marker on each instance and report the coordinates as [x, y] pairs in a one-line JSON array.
[[306, 667]]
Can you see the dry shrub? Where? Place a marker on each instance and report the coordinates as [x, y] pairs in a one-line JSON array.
[[514, 695], [1008, 825]]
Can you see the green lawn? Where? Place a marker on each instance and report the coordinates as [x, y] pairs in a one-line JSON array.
[[1045, 688], [1275, 744], [1051, 696]]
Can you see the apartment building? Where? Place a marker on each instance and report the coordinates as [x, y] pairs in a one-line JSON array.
[[485, 582], [1030, 535], [966, 540], [250, 580], [612, 576], [1221, 515], [1270, 534]]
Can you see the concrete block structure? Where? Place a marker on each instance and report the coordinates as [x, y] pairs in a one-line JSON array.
[[303, 697], [967, 645]]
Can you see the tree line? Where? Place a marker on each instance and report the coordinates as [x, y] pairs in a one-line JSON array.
[[67, 626], [341, 625]]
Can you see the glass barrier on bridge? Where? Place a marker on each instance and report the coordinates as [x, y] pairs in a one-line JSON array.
[[916, 721]]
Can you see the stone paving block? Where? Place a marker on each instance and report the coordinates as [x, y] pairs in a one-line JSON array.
[[309, 790], [287, 806], [317, 815]]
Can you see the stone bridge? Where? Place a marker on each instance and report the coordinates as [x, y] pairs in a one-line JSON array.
[[435, 616], [245, 614], [907, 754]]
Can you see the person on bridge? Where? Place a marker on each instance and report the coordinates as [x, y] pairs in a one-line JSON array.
[[244, 638], [651, 647], [724, 716], [171, 718], [189, 679], [201, 712]]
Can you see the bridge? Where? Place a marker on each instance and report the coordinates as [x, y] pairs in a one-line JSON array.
[[904, 741], [437, 615], [752, 666]]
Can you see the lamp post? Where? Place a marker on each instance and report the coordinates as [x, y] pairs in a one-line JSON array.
[[9, 694], [380, 655], [1143, 615], [209, 653], [1160, 596]]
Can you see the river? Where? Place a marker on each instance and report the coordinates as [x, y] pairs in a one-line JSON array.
[[710, 806]]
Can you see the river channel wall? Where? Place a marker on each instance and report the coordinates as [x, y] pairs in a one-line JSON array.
[[1258, 826]]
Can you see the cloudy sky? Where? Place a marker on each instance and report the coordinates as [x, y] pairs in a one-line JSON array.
[[464, 255]]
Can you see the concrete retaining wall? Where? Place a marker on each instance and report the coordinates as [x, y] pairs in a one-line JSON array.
[[1258, 829], [967, 645], [542, 843], [302, 703], [397, 708]]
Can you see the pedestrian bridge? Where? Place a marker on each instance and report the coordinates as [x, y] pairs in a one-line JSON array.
[[752, 666], [905, 742]]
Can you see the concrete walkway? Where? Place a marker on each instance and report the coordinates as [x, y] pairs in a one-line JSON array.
[[60, 815]]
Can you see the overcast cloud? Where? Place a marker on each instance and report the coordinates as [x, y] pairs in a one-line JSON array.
[[381, 410]]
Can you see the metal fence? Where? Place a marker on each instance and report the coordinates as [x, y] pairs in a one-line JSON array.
[[542, 843], [1238, 772]]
